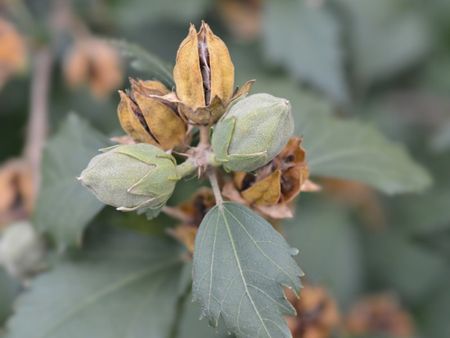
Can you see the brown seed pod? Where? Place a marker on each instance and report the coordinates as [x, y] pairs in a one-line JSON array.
[[379, 314], [194, 210], [204, 78], [96, 63], [317, 314], [272, 188], [17, 192], [149, 120], [13, 55]]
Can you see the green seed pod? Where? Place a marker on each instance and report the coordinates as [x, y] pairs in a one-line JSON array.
[[253, 132], [132, 177]]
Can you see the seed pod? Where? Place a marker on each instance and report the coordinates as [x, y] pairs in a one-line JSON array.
[[271, 189], [95, 63], [253, 132], [379, 315], [13, 54], [149, 120], [317, 313], [131, 177], [193, 210], [204, 77]]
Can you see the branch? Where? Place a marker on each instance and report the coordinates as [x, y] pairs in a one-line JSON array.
[[215, 186], [38, 117], [176, 214], [204, 136]]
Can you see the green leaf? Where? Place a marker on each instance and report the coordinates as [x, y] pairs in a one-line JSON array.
[[144, 61], [132, 13], [330, 250], [440, 142], [350, 149], [424, 214], [435, 313], [191, 325], [347, 149], [64, 206], [405, 265], [125, 287], [306, 40], [8, 291], [386, 37], [240, 266]]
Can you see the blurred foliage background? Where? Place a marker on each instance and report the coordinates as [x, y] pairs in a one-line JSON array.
[[383, 63]]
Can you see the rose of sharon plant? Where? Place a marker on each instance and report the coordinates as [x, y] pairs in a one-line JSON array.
[[213, 126]]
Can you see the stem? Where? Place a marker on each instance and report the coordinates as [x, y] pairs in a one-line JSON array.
[[38, 118], [215, 186], [204, 136], [176, 214], [186, 168]]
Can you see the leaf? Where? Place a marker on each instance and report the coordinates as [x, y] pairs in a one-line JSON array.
[[133, 13], [125, 287], [143, 61], [64, 206], [386, 37], [8, 291], [306, 40], [353, 150], [435, 313], [330, 250], [347, 149], [405, 265], [192, 327], [440, 141], [240, 264], [424, 214]]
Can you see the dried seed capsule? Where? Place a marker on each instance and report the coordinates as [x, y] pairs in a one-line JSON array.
[[149, 120], [253, 132], [132, 177], [13, 54], [96, 63], [204, 77]]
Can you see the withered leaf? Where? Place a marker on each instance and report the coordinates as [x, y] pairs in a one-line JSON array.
[[264, 192]]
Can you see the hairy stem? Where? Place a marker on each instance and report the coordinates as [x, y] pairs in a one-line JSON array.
[[212, 176]]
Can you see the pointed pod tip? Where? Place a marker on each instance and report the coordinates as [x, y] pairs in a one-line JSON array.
[[192, 28], [122, 94]]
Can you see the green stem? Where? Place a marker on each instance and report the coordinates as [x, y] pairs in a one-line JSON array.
[[215, 186], [212, 160], [186, 168]]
